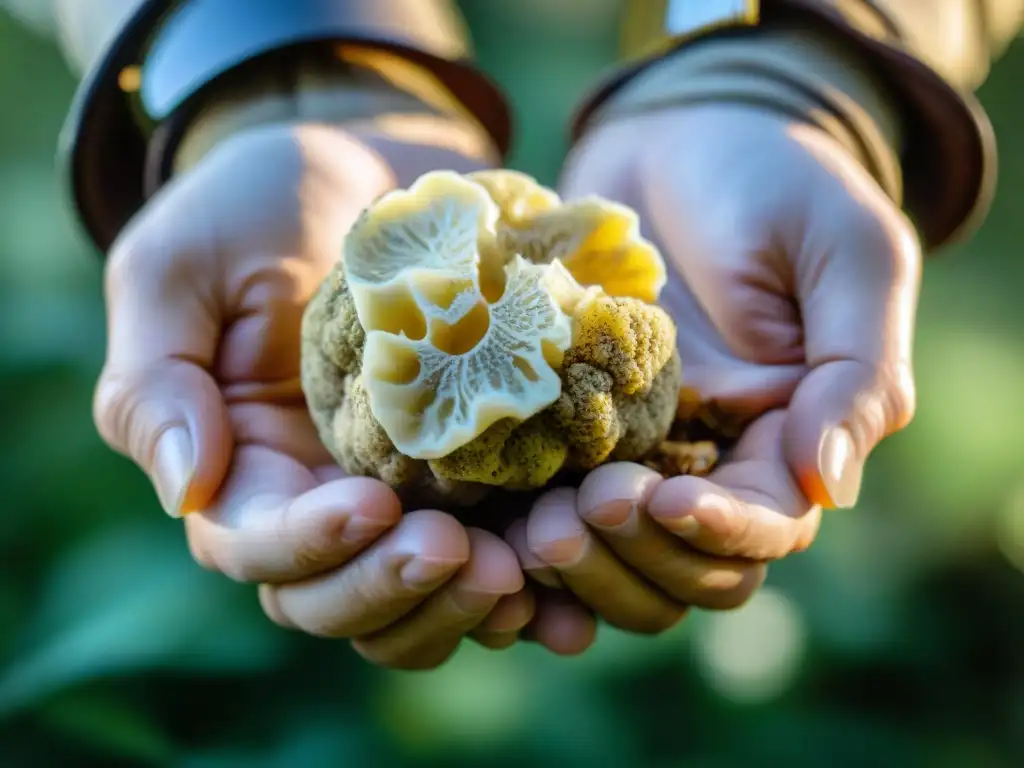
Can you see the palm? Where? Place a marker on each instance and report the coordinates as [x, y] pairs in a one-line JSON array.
[[731, 286]]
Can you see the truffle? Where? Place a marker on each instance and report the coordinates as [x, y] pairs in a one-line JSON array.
[[478, 333]]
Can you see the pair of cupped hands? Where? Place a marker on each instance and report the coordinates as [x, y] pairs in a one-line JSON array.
[[793, 282]]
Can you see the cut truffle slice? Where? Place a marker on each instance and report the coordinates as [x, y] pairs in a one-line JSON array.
[[598, 241], [478, 364], [519, 197]]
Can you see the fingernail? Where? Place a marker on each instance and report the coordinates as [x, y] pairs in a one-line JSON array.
[[840, 467], [562, 553], [424, 574], [681, 526], [558, 540], [172, 469], [666, 512], [614, 514], [472, 602]]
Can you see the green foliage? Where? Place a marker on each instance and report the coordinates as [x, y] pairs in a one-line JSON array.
[[895, 641]]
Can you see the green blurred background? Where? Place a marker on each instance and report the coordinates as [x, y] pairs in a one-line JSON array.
[[897, 640]]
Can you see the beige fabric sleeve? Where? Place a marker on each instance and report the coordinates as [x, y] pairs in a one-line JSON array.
[[383, 93], [960, 39]]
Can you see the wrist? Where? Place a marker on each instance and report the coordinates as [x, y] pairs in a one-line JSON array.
[[364, 99], [795, 67]]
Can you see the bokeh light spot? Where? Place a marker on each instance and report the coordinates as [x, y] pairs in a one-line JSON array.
[[753, 654]]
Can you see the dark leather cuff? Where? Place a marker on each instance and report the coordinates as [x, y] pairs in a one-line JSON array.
[[947, 154], [170, 52]]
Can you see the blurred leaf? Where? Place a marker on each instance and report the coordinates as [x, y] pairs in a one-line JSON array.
[[304, 744], [125, 601], [110, 726], [970, 391]]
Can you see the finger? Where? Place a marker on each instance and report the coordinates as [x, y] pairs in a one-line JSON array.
[[273, 523], [286, 429], [155, 400], [532, 565], [613, 499], [500, 629], [381, 585], [749, 507], [858, 291], [558, 537], [430, 634], [561, 624], [511, 614]]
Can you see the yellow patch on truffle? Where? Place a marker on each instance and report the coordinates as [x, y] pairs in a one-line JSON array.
[[629, 339], [597, 241]]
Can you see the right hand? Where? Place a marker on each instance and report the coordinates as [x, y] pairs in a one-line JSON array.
[[205, 292]]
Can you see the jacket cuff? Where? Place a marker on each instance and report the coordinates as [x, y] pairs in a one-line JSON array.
[[361, 89], [792, 69], [158, 70], [946, 149]]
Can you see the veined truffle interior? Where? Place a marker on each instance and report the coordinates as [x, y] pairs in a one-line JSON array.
[[401, 365], [491, 275], [553, 356], [397, 312], [441, 292], [460, 333], [464, 334]]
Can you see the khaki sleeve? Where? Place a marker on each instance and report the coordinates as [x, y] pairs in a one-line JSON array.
[[960, 39]]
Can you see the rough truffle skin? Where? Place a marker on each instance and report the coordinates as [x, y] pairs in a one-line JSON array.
[[620, 382]]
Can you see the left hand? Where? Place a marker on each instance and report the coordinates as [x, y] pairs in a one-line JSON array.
[[793, 283]]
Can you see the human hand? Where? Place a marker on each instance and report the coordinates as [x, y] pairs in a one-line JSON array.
[[206, 291], [794, 284]]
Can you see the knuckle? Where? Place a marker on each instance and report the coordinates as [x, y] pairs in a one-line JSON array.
[[128, 260], [128, 415], [150, 251], [899, 395], [889, 244], [314, 541], [888, 404], [735, 532], [113, 403]]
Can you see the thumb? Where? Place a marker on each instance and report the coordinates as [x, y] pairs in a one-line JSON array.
[[858, 293], [155, 401]]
